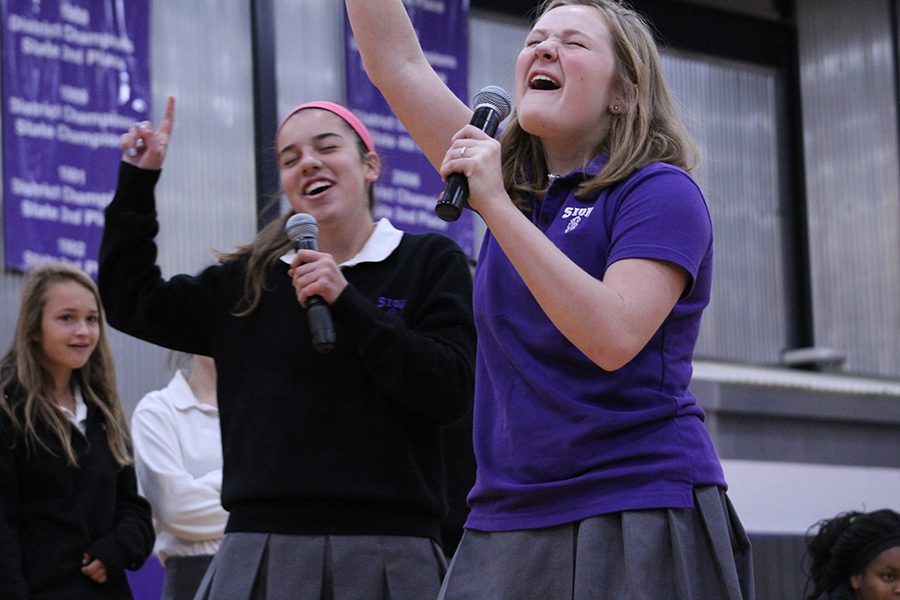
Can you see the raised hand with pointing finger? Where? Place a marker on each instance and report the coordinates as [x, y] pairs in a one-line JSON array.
[[145, 147], [400, 366]]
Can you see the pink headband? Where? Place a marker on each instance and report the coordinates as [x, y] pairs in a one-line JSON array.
[[351, 119]]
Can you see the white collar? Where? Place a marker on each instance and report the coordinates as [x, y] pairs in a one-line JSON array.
[[183, 396], [384, 240], [79, 417]]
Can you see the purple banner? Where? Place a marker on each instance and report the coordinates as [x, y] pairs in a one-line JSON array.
[[76, 76], [409, 185]]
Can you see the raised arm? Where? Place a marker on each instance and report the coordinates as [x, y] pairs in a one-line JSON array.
[[395, 63], [135, 297]]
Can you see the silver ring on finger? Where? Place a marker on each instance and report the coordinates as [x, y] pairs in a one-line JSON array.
[[462, 151]]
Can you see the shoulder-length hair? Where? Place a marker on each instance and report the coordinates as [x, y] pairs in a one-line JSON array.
[[24, 367], [649, 128]]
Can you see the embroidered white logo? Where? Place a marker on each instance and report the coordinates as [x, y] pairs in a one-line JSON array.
[[575, 214]]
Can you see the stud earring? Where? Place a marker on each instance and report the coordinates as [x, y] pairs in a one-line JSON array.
[[615, 108]]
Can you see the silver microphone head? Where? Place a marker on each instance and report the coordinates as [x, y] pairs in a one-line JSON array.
[[302, 225], [495, 97]]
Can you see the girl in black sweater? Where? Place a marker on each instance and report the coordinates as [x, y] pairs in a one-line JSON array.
[[333, 470], [71, 520]]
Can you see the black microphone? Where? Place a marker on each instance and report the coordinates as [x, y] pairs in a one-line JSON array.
[[303, 229], [491, 105]]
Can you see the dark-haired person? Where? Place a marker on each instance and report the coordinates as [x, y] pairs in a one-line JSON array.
[[71, 519], [333, 469], [855, 556]]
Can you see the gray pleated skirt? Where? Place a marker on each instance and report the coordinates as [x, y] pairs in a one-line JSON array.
[[671, 554], [183, 575], [264, 566]]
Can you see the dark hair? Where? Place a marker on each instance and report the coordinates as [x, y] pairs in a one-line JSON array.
[[843, 547], [272, 242]]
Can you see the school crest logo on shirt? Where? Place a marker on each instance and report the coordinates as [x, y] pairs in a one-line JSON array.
[[391, 306], [575, 215]]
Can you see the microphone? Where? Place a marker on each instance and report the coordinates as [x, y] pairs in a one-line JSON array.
[[303, 229], [491, 105]]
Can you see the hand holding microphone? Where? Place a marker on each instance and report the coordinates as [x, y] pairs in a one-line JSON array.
[[304, 229], [490, 106]]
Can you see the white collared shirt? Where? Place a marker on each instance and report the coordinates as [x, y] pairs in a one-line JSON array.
[[384, 239], [79, 417], [178, 459]]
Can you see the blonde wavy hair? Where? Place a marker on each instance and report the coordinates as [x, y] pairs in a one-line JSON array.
[[649, 129], [23, 366]]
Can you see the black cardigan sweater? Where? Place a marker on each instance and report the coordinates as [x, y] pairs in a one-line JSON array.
[[51, 513], [345, 442]]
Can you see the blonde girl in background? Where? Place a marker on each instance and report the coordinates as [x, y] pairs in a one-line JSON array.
[[71, 519]]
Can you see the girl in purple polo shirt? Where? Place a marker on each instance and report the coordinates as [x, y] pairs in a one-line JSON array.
[[596, 475]]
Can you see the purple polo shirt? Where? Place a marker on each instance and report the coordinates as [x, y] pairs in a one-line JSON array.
[[557, 438]]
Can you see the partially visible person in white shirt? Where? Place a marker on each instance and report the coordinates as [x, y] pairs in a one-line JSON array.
[[178, 455]]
